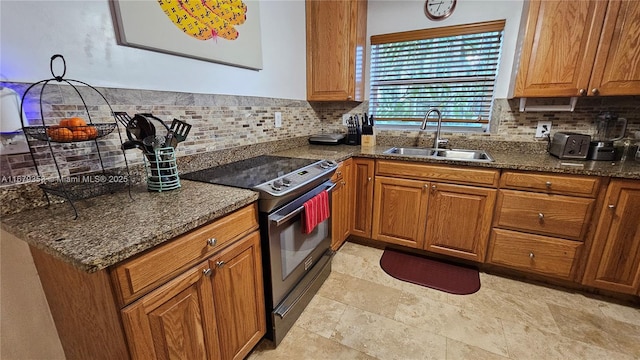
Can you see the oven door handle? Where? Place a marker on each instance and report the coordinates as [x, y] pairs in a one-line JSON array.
[[296, 211]]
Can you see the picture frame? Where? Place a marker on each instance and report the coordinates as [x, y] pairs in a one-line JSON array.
[[220, 31]]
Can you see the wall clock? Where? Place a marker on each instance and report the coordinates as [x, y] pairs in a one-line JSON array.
[[439, 9]]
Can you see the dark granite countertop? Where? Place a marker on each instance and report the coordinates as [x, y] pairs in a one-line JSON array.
[[112, 228], [504, 159]]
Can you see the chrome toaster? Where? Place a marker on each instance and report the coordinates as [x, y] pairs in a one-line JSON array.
[[569, 145]]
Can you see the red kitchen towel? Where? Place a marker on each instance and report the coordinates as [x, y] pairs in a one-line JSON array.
[[316, 210]]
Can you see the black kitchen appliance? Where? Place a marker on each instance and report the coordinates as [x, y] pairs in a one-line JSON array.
[[295, 264]]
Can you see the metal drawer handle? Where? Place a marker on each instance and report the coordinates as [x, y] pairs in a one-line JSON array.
[[548, 183], [207, 272], [612, 206], [541, 216], [220, 263], [212, 241], [531, 255]]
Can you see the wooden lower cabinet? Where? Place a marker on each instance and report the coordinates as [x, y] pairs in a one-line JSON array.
[[174, 321], [198, 296], [614, 261], [363, 173], [214, 310], [399, 211], [459, 220], [238, 297], [341, 208]]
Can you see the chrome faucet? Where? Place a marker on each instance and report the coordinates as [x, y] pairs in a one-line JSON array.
[[438, 141]]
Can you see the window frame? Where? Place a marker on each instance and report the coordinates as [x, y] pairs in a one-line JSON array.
[[430, 33]]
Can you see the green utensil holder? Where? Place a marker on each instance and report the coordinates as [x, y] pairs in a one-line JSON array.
[[161, 169]]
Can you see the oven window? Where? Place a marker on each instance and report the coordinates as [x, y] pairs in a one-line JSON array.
[[296, 246]]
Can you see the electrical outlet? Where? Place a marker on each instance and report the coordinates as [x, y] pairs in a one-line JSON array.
[[543, 129], [278, 117], [345, 119]]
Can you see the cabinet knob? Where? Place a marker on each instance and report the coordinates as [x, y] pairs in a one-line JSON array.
[[344, 183], [541, 216], [349, 97], [369, 178], [212, 241], [207, 272], [220, 263], [433, 187], [583, 92], [338, 173], [531, 255], [612, 206], [548, 184], [594, 91]]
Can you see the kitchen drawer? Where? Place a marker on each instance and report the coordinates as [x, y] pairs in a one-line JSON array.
[[548, 214], [139, 275], [551, 183], [443, 173], [533, 253]]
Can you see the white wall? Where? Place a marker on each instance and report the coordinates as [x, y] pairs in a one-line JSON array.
[[404, 15], [82, 31]]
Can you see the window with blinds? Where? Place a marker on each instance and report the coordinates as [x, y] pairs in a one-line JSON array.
[[450, 68]]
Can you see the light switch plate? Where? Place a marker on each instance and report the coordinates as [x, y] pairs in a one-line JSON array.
[[345, 119], [278, 117], [543, 129]]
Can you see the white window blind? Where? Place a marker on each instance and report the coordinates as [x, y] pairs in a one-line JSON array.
[[453, 69]]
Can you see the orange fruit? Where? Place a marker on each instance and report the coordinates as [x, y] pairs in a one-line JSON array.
[[80, 135], [91, 131], [60, 134], [76, 121], [64, 122]]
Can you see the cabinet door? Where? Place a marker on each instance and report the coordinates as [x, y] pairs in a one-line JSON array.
[[335, 47], [341, 206], [614, 262], [339, 214], [399, 211], [559, 47], [239, 297], [175, 321], [459, 220], [617, 66], [363, 171]]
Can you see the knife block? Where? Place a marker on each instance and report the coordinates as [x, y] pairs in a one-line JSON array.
[[368, 141]]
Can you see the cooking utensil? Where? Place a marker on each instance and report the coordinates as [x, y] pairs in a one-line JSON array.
[[179, 130], [154, 141]]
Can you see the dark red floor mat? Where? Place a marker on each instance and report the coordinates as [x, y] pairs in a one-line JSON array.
[[436, 274]]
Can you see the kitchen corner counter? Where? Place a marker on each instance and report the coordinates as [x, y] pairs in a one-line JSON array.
[[504, 159], [112, 228]]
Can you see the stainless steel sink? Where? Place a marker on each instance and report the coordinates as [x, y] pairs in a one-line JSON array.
[[443, 154]]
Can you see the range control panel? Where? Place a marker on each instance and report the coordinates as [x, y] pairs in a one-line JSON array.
[[297, 179]]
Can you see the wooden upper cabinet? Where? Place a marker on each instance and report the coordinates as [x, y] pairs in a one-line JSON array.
[[559, 47], [336, 38], [617, 66], [614, 262], [580, 48]]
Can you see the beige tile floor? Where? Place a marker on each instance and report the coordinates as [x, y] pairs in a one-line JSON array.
[[363, 313]]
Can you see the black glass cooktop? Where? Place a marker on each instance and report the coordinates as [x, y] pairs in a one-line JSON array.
[[250, 172]]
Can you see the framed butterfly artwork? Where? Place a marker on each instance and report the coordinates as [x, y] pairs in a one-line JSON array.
[[221, 31]]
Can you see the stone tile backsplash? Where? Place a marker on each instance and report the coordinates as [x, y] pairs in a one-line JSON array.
[[225, 122]]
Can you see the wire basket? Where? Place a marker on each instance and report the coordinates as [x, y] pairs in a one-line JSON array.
[[56, 133], [78, 187], [161, 169]]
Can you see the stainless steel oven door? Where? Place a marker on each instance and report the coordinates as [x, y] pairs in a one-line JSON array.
[[291, 252]]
